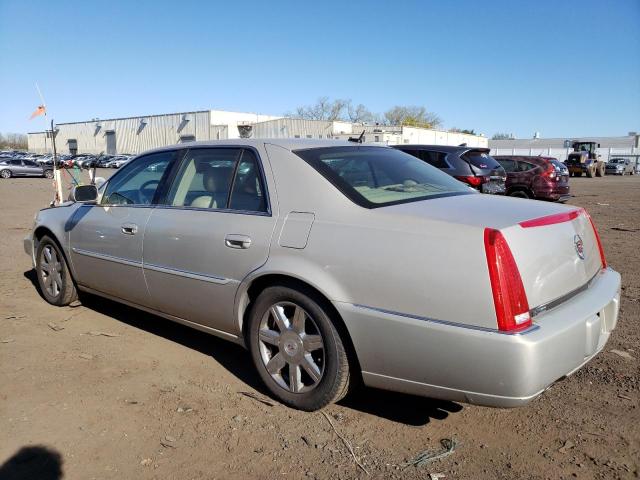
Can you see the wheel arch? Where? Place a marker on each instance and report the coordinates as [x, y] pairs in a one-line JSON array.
[[258, 284], [40, 232]]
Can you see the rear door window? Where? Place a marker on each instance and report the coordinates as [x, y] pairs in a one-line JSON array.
[[508, 165], [480, 159]]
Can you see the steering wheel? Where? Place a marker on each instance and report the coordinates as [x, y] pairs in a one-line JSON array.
[[146, 184]]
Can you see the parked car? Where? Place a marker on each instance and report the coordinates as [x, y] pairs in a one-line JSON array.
[[473, 166], [332, 261], [619, 166], [24, 168], [541, 178]]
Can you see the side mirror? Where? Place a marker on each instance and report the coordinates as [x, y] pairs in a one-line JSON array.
[[84, 194]]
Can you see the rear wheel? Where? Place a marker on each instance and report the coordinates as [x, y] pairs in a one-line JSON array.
[[48, 173], [519, 194], [54, 277], [577, 174], [5, 173], [600, 171], [297, 350]]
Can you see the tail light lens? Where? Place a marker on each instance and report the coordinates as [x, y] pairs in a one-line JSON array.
[[472, 180], [550, 172], [603, 260], [509, 297]]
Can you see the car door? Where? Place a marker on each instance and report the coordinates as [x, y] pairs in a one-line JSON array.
[[17, 169], [31, 168], [106, 239], [214, 229]]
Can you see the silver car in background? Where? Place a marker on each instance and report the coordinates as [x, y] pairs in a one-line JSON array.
[[24, 168], [332, 261]]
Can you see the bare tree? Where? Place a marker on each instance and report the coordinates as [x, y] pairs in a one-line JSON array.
[[323, 109], [463, 130], [13, 140], [359, 113], [412, 115], [503, 136]]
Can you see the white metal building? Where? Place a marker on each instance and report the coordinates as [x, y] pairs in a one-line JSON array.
[[610, 147], [133, 135]]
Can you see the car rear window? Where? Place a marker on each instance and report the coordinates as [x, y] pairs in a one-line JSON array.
[[378, 176], [481, 159]]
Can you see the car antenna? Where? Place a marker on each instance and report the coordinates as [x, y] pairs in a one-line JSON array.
[[359, 139]]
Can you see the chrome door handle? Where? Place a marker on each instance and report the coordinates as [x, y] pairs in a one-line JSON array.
[[237, 241], [129, 228]]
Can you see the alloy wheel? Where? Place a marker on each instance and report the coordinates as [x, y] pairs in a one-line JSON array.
[[291, 347], [5, 174], [50, 269]]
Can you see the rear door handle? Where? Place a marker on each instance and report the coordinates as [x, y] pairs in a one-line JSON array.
[[237, 241], [129, 228]]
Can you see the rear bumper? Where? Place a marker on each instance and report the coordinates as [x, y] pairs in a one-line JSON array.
[[459, 363]]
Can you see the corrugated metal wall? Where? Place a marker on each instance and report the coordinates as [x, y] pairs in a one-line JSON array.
[[132, 135], [292, 128], [562, 153]]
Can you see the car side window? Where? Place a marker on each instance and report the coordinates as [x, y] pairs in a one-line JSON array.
[[436, 159], [204, 178], [17, 163], [508, 165], [29, 163], [136, 183], [219, 179], [525, 167], [248, 192]]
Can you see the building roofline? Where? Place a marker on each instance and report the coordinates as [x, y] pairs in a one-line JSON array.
[[132, 117]]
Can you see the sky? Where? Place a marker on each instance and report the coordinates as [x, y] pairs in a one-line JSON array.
[[564, 68]]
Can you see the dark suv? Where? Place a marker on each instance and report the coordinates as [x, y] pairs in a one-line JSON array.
[[473, 166], [542, 178]]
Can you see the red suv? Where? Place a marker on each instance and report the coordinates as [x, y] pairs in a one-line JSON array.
[[542, 178]]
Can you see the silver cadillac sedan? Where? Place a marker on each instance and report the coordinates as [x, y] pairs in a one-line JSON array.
[[334, 262]]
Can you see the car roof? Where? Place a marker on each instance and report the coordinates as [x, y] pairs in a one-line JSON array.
[[528, 158], [287, 143]]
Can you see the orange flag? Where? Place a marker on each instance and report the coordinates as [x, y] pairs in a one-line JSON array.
[[41, 110]]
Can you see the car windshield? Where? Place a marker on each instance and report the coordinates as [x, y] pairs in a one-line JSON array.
[[378, 176]]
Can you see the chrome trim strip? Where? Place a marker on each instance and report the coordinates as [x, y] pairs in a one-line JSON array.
[[545, 307], [532, 328], [109, 258], [187, 274]]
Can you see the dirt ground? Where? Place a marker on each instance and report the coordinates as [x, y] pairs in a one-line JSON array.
[[160, 400]]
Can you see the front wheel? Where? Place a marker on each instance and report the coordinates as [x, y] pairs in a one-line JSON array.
[[297, 350], [54, 277], [5, 173]]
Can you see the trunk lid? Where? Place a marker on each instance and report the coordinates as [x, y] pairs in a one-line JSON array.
[[547, 256], [554, 259]]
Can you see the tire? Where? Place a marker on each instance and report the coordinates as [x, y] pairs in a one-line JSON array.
[[48, 173], [577, 174], [600, 171], [519, 194], [5, 173], [591, 172], [321, 374], [54, 278]]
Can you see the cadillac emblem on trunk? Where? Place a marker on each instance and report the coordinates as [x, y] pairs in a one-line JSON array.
[[577, 241]]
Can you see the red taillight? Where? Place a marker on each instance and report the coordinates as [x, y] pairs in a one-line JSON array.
[[509, 297], [597, 235], [551, 219], [550, 172], [471, 180]]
